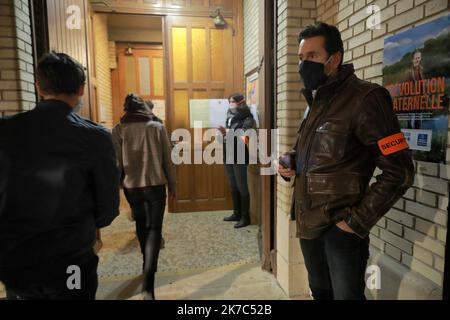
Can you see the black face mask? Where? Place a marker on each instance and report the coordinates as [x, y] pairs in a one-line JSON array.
[[313, 74]]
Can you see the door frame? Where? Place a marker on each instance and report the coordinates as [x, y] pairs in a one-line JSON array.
[[268, 183], [166, 57], [39, 26]]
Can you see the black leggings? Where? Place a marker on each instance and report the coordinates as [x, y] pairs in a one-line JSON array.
[[148, 206]]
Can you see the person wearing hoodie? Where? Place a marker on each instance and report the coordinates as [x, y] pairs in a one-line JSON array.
[[144, 157]]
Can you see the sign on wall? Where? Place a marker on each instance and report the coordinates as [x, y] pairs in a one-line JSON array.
[[416, 72], [211, 113], [252, 94], [160, 109]]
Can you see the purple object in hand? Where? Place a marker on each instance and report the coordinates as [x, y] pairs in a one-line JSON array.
[[287, 160]]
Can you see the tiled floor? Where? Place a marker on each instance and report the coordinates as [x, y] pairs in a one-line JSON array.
[[193, 242], [243, 282], [204, 259]]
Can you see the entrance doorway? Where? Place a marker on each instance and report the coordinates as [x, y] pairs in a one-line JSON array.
[[198, 61], [191, 62], [201, 59]]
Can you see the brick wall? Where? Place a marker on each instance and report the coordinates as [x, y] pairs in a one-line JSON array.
[[414, 232], [251, 34], [17, 92], [103, 71], [292, 16]]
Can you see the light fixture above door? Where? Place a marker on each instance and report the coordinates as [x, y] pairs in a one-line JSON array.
[[219, 20], [129, 50]]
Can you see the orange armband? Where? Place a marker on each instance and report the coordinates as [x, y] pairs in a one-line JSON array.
[[393, 144]]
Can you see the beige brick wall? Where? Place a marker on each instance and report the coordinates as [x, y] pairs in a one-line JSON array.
[[251, 34], [413, 233], [103, 71], [408, 233], [17, 92], [292, 16]]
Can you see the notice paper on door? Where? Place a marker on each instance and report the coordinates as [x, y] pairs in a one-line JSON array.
[[211, 113]]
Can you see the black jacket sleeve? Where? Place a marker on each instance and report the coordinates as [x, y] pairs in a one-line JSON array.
[[106, 182]]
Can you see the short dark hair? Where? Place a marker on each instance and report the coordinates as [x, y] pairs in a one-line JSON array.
[[333, 39], [58, 73]]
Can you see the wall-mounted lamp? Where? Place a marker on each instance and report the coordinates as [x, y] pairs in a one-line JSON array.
[[219, 20], [129, 50]]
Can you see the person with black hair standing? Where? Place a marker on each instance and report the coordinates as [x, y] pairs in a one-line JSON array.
[[349, 130], [59, 186], [239, 117], [144, 158]]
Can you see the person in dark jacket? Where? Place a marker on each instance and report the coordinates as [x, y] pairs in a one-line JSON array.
[[59, 186], [349, 130], [236, 162], [144, 157]]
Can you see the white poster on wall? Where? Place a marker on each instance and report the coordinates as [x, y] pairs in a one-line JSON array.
[[219, 110], [419, 139], [211, 113], [160, 109]]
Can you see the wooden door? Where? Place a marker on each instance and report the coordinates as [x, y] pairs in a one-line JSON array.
[[204, 64], [69, 32], [92, 70], [140, 71]]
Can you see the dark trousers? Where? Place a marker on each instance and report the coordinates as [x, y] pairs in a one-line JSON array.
[[336, 264], [237, 177], [148, 206], [54, 285]]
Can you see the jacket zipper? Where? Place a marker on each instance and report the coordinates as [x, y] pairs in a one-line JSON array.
[[308, 150]]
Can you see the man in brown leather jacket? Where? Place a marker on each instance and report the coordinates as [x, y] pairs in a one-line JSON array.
[[349, 129]]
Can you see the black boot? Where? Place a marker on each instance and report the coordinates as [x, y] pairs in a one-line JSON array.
[[149, 286], [236, 216], [245, 213]]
